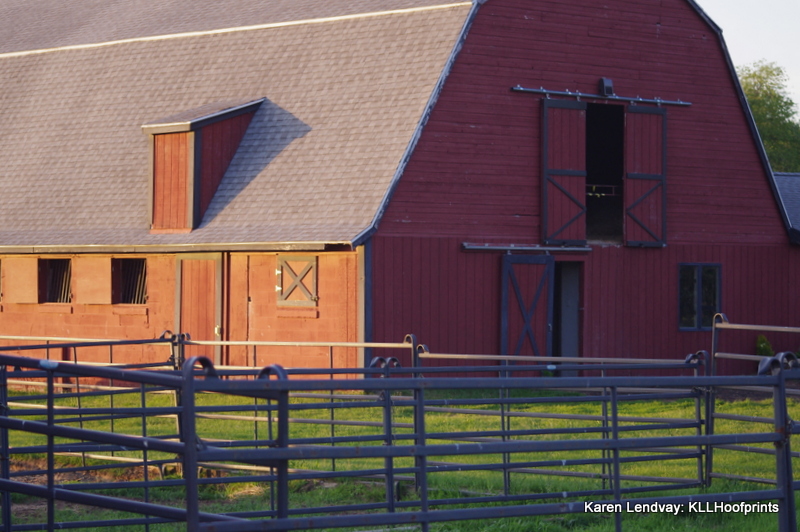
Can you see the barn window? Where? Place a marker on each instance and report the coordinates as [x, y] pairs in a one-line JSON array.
[[699, 293], [129, 281], [297, 281], [55, 281]]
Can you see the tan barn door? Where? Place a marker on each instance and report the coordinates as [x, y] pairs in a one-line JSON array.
[[199, 309]]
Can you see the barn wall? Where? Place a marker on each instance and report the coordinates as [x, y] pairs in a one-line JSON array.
[[85, 319], [255, 315], [249, 310], [450, 298], [475, 172]]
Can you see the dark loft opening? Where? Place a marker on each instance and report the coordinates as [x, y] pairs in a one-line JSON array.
[[605, 165]]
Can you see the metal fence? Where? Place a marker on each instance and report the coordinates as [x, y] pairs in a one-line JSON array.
[[432, 449]]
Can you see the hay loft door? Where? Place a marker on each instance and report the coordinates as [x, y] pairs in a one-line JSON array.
[[564, 172]]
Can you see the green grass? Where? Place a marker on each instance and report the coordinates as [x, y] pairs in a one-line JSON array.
[[250, 496]]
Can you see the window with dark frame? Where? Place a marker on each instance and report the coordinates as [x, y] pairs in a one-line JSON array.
[[699, 295], [297, 281], [55, 281], [129, 281]]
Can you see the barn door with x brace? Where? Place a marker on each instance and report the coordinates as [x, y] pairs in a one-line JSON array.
[[645, 176], [563, 172], [527, 305]]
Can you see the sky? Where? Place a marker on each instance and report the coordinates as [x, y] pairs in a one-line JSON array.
[[761, 29]]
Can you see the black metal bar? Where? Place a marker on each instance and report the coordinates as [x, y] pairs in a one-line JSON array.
[[787, 517], [283, 450], [420, 462], [5, 466], [145, 468], [283, 465], [190, 440], [388, 441], [578, 95], [615, 450], [51, 516]]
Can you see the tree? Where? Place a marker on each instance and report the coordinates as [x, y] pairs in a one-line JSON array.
[[775, 113]]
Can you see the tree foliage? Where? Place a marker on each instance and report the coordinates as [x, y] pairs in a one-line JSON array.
[[775, 113]]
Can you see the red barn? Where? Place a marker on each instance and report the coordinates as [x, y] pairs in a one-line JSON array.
[[498, 176]]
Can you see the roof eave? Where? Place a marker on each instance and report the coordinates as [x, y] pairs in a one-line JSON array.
[[156, 128], [364, 235], [174, 248]]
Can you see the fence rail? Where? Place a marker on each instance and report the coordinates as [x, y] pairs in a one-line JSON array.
[[424, 438]]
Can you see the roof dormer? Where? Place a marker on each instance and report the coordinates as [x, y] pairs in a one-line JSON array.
[[190, 153]]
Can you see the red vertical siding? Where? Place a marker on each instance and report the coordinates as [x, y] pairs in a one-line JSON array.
[[170, 180], [198, 303], [629, 295], [565, 174], [448, 298], [476, 176], [475, 173], [219, 144]]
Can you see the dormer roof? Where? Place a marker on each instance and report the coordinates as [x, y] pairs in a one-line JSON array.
[[197, 118]]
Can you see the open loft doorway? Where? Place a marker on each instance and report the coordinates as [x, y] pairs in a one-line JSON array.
[[605, 167]]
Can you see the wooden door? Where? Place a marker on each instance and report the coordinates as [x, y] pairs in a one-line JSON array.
[[199, 309], [563, 172], [527, 305], [645, 176]]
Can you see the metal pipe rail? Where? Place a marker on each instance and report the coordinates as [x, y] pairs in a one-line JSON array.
[[408, 432]]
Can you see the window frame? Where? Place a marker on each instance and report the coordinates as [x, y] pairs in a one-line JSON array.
[[698, 296], [45, 273], [120, 284], [296, 281]]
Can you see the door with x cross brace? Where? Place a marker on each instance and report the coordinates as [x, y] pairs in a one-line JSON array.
[[527, 305]]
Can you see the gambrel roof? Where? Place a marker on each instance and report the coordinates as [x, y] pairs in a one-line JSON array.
[[346, 84]]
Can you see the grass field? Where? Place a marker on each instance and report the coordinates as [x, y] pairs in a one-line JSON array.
[[237, 494]]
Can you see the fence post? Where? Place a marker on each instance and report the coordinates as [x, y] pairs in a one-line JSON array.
[[787, 519], [711, 395], [188, 435], [421, 460], [282, 441], [5, 467], [615, 453], [51, 507]]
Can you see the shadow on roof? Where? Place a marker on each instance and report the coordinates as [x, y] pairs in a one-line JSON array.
[[271, 131]]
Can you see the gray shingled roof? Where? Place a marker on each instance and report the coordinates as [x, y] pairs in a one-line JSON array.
[[343, 100], [38, 24], [789, 190]]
